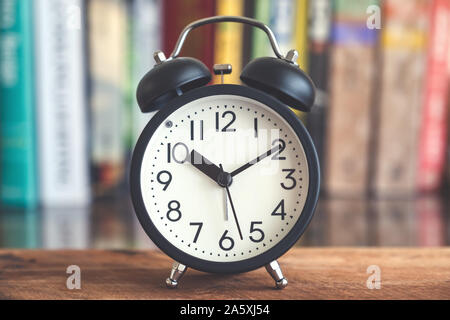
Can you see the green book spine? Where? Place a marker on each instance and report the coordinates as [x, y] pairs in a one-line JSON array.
[[261, 44], [18, 185], [128, 84], [351, 10]]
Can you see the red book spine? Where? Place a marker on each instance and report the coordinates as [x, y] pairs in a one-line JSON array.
[[433, 136], [177, 14]]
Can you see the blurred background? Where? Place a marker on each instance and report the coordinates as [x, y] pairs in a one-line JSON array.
[[69, 118]]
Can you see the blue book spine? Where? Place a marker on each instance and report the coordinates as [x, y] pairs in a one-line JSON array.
[[18, 185]]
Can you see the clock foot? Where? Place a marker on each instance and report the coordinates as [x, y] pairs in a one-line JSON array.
[[274, 270], [176, 273]]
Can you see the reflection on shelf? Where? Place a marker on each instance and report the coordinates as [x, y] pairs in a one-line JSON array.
[[65, 228], [112, 224], [423, 222], [395, 222], [20, 229]]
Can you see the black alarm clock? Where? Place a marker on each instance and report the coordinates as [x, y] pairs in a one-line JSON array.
[[225, 178]]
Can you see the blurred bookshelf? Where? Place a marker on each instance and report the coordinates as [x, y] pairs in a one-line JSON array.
[[69, 118]]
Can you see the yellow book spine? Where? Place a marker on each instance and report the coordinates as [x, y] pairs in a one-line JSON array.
[[301, 34], [398, 38], [228, 39], [301, 41]]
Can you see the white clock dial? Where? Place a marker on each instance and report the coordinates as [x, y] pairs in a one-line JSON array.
[[192, 211]]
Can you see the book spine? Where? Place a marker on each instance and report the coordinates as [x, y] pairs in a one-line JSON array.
[[129, 90], [403, 41], [260, 43], [433, 132], [17, 113], [173, 23], [61, 103], [228, 41], [282, 22], [351, 86], [285, 17], [353, 10], [447, 173], [318, 36], [300, 26], [108, 60], [249, 11], [146, 39], [177, 14], [301, 33]]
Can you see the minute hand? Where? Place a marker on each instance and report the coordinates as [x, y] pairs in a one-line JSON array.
[[258, 159]]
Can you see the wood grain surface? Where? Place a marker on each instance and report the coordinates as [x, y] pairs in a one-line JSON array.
[[313, 273]]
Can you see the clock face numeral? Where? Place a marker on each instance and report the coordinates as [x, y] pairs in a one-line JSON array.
[[199, 226], [257, 230], [174, 153], [226, 243], [291, 178], [280, 206], [192, 126], [174, 213], [255, 126], [167, 181], [282, 147], [227, 114]]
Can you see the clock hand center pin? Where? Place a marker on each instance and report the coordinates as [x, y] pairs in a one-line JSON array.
[[223, 178]]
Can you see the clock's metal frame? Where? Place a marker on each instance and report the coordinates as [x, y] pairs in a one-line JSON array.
[[249, 264]]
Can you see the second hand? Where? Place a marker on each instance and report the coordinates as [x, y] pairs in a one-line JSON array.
[[234, 211]]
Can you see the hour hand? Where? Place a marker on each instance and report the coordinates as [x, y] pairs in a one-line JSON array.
[[204, 165]]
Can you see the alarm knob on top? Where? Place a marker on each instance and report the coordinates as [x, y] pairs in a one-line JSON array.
[[168, 79], [282, 79]]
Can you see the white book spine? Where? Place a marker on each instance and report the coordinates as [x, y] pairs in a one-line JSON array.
[[107, 21], [282, 22], [146, 39], [146, 33], [61, 107]]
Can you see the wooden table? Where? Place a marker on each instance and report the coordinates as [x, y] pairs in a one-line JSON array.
[[313, 273]]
